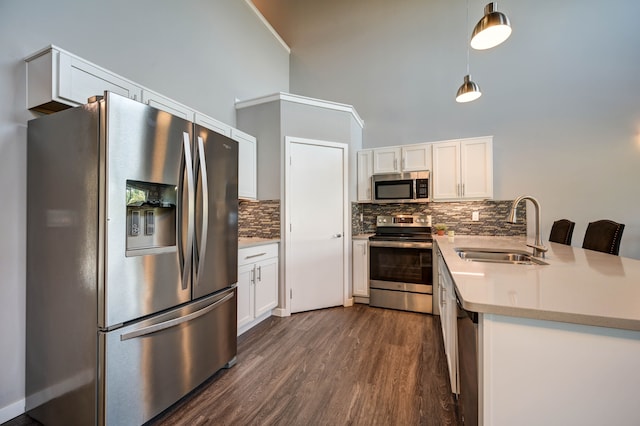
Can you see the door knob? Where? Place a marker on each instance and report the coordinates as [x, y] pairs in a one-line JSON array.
[[337, 235]]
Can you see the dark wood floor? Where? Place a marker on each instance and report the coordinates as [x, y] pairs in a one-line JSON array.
[[357, 365], [338, 366]]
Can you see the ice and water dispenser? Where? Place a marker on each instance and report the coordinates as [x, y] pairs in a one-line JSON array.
[[151, 218]]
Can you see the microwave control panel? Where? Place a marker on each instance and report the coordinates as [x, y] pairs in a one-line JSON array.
[[422, 188]]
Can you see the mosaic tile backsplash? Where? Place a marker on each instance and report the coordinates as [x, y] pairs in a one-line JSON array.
[[259, 219], [456, 215]]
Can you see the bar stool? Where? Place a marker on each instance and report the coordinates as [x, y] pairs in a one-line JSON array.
[[562, 231], [604, 236]]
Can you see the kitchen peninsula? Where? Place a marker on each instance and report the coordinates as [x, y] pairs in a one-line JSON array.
[[559, 343]]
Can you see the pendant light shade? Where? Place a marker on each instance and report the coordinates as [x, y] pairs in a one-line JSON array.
[[491, 30], [469, 91]]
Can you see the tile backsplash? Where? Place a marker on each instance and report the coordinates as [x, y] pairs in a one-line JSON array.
[[259, 219], [456, 215]]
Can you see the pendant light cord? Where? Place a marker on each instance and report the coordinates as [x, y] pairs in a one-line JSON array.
[[465, 36]]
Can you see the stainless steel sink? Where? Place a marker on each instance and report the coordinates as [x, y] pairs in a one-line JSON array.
[[514, 257]]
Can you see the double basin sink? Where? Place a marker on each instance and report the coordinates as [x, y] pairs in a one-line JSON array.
[[514, 257]]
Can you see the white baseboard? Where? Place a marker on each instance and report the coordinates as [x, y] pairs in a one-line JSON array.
[[280, 312], [360, 299], [10, 411]]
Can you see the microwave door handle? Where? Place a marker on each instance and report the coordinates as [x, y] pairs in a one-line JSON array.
[[205, 210]]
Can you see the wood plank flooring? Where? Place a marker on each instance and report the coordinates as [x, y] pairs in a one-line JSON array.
[[338, 366]]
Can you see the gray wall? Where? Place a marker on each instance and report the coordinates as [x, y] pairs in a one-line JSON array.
[[272, 121], [560, 96], [204, 54]]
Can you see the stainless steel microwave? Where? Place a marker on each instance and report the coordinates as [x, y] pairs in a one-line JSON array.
[[409, 187]]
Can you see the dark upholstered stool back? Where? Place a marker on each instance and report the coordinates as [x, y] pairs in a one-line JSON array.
[[562, 231], [604, 236]]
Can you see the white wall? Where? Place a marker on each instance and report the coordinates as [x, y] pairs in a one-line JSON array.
[[560, 96], [202, 53]]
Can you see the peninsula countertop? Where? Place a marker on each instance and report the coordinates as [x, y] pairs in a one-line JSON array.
[[577, 286]]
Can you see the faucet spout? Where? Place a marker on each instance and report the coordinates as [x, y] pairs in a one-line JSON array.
[[538, 248]]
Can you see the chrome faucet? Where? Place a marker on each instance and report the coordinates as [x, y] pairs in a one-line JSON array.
[[538, 248]]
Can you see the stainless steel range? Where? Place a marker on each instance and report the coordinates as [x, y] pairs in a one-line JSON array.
[[400, 263]]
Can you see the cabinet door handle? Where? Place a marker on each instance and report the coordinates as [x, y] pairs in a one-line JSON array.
[[463, 189], [255, 255], [253, 275], [260, 273], [395, 164]]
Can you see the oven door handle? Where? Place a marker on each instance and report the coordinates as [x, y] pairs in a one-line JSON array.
[[400, 244]]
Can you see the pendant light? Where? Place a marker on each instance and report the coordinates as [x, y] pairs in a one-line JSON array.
[[491, 30], [469, 91]]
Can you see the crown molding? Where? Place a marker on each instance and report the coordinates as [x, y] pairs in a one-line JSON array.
[[289, 97], [268, 25]]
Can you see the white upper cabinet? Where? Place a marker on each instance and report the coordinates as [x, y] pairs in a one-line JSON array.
[[365, 170], [57, 79], [212, 124], [405, 158], [387, 160], [247, 164], [476, 161], [163, 103], [463, 169], [446, 170], [416, 157]]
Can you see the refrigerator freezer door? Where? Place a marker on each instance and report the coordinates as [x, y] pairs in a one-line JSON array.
[[216, 212], [151, 364], [144, 148]]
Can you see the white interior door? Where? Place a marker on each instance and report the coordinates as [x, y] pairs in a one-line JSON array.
[[315, 235]]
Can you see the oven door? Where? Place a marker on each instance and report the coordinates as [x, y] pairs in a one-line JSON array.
[[400, 276]]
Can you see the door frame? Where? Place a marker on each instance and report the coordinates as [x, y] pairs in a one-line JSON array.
[[286, 287]]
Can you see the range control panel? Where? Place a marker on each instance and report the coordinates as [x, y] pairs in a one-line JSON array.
[[404, 220]]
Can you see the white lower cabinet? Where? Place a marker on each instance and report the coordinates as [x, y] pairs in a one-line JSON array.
[[360, 268], [448, 320], [257, 284]]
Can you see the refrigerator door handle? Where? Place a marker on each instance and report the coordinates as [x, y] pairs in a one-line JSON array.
[[205, 209], [188, 163], [174, 322]]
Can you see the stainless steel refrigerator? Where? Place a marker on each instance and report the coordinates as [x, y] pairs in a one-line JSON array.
[[132, 261]]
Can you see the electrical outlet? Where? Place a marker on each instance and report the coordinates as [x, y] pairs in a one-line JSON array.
[[475, 216]]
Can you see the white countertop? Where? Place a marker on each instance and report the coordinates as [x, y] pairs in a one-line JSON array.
[[577, 286], [361, 236], [252, 242]]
